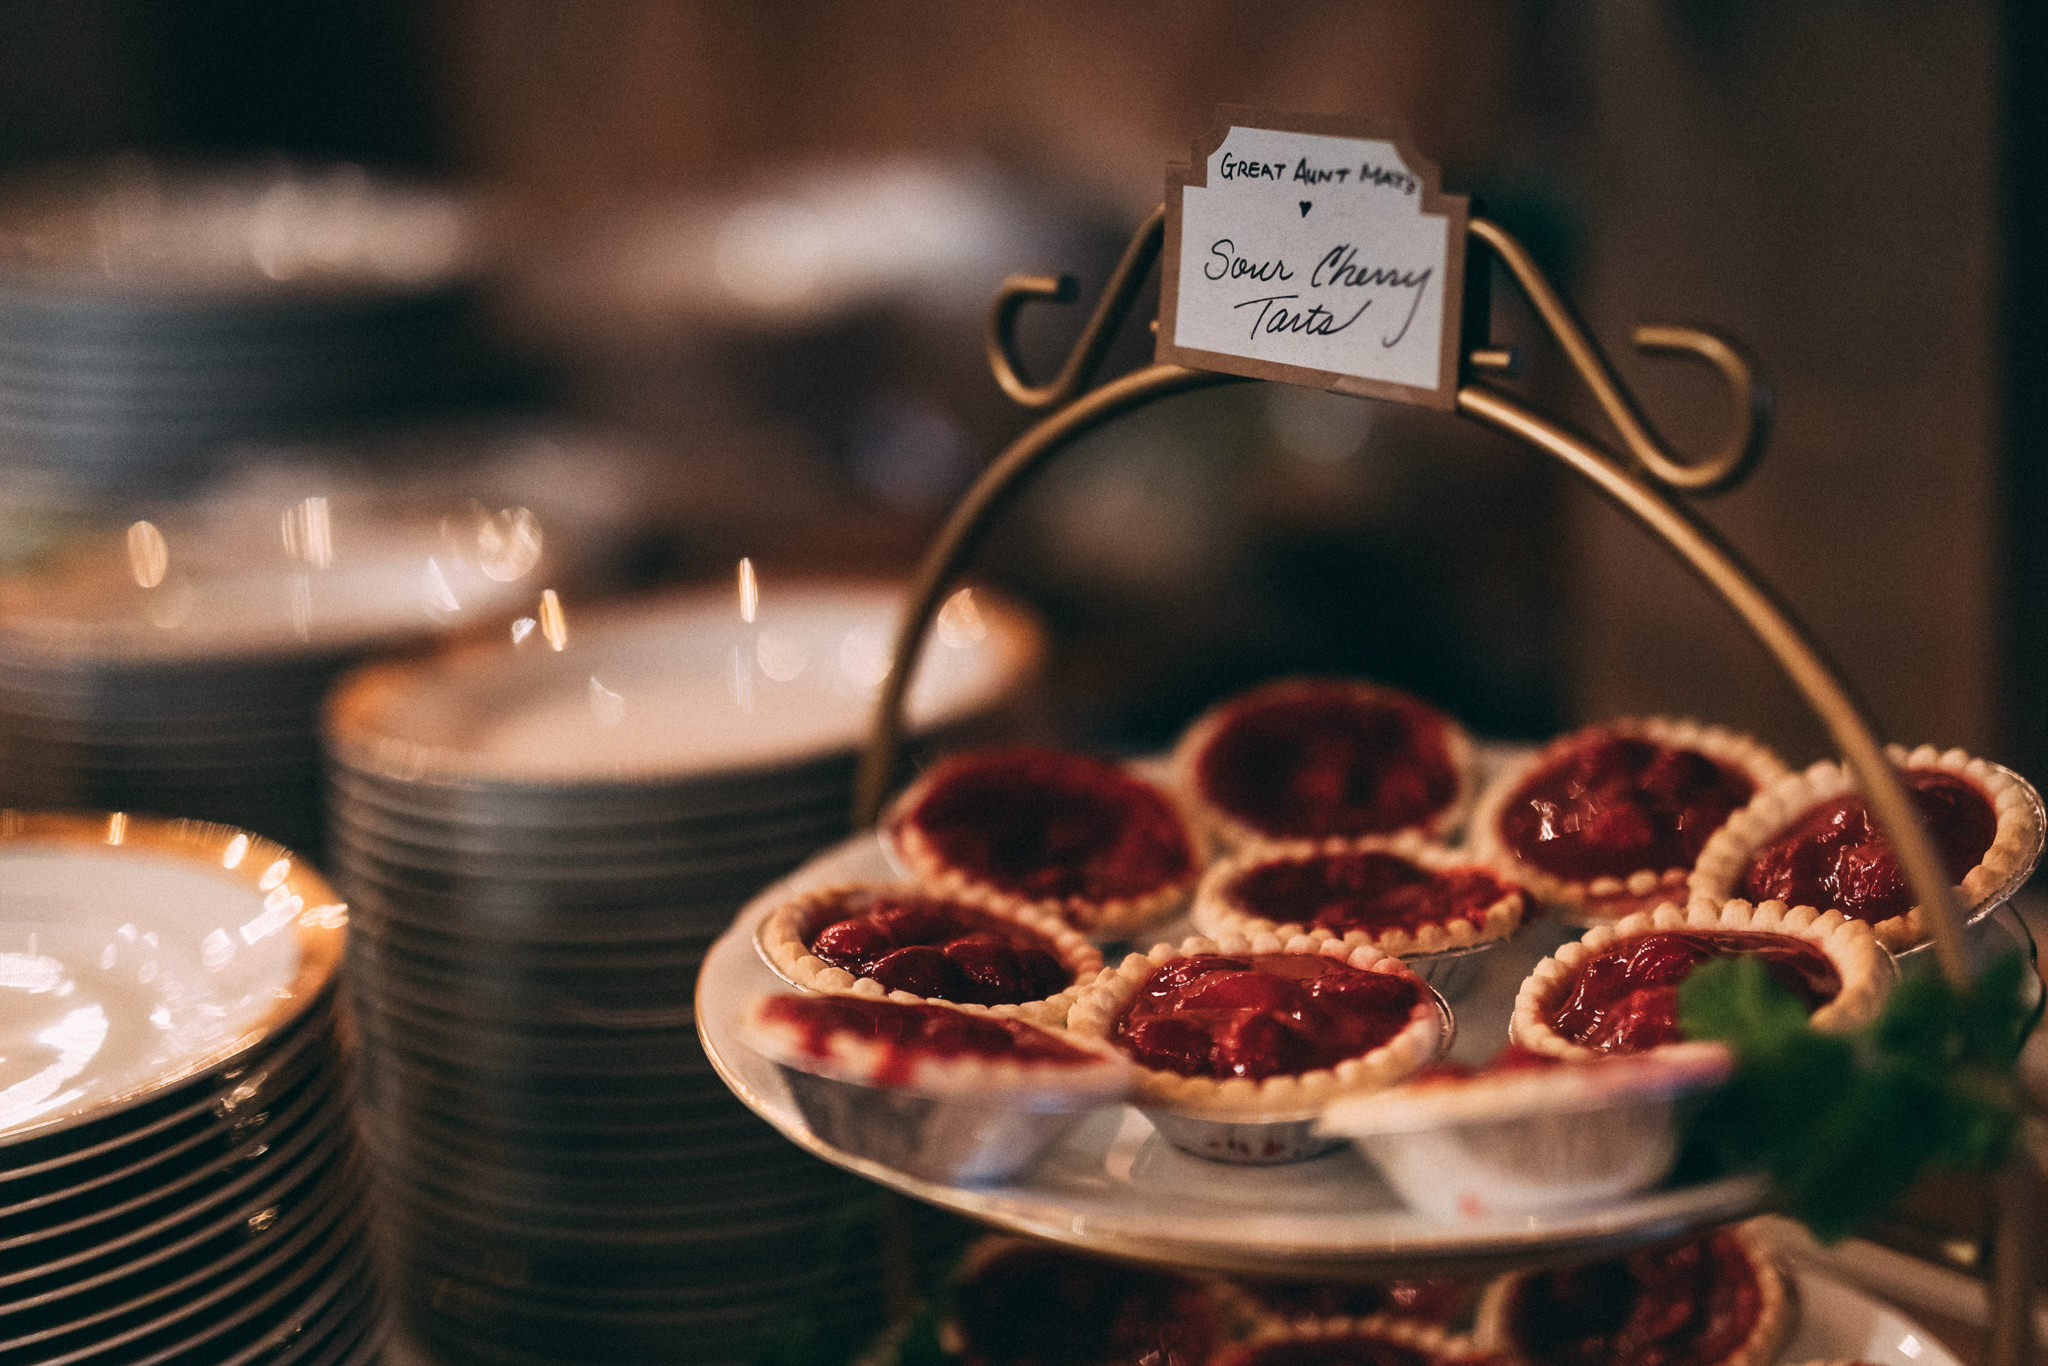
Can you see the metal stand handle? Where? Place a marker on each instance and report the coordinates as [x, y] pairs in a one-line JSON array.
[[1643, 484]]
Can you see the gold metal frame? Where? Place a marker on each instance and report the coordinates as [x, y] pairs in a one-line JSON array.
[[1643, 481]]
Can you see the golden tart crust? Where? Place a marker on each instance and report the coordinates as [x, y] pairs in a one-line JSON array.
[[1105, 917], [1866, 970], [1608, 898], [1420, 1042], [1777, 1310], [1219, 911], [1098, 1072], [785, 934], [1235, 832], [1437, 1344], [2015, 843]]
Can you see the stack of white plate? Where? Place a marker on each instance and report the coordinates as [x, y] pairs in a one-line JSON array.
[[179, 1174], [179, 669], [150, 316], [541, 836]]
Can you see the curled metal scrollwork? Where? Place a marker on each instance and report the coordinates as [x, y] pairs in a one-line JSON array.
[[1078, 372], [1722, 470]]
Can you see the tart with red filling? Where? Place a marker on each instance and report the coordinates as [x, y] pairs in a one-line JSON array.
[[1217, 1028], [1402, 895], [1809, 839], [1716, 1301], [1616, 990], [1378, 1340], [909, 945], [931, 1090], [922, 1046], [1611, 819], [1262, 1306], [1027, 1304], [1530, 1132], [1321, 758], [1061, 834]]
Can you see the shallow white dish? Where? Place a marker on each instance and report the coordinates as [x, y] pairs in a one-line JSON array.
[[136, 954], [691, 685], [1115, 1186], [1838, 1322]]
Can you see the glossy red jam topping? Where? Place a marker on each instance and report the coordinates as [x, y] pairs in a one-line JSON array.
[[1626, 998], [1691, 1305], [1513, 1058], [1834, 857], [1369, 890], [1040, 824], [1430, 1301], [1262, 1014], [932, 947], [1034, 1306], [1315, 763], [910, 1032], [1350, 1349], [1618, 804]]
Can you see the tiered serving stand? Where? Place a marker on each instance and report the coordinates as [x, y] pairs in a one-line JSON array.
[[1111, 1191]]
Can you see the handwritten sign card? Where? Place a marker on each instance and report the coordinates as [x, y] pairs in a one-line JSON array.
[[1314, 250]]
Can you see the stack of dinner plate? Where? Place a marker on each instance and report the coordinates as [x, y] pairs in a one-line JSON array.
[[179, 669], [150, 316], [180, 1179], [540, 837]]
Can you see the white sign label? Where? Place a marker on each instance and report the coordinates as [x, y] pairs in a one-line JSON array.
[[1315, 257]]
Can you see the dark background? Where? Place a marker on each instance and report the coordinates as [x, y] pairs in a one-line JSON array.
[[1849, 186]]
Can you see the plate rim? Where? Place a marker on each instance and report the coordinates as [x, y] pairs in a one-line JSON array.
[[320, 928]]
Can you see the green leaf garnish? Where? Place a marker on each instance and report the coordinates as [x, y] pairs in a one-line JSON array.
[[1845, 1124]]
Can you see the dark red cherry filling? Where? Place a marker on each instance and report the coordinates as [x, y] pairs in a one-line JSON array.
[[911, 1032], [1618, 804], [1626, 998], [1369, 890], [1035, 1306], [1349, 1349], [1437, 1301], [1513, 1058], [932, 947], [1045, 825], [1263, 1014], [1690, 1305], [1313, 763], [1834, 857]]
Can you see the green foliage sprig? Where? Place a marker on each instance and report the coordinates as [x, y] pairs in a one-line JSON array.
[[1844, 1124]]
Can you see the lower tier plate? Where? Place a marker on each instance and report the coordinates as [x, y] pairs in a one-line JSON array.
[[1115, 1188]]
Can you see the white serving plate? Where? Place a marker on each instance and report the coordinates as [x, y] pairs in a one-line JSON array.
[[136, 954], [1113, 1186], [687, 686], [1838, 1322]]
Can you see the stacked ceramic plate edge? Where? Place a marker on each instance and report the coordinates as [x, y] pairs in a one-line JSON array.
[[180, 669], [180, 1179], [150, 316], [541, 836]]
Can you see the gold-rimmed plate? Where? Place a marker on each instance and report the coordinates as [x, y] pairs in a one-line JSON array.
[[138, 955]]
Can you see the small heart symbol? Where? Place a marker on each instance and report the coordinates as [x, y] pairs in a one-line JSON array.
[[1305, 207]]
